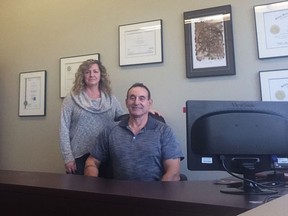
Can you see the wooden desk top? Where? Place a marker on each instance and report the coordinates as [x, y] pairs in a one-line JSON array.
[[186, 197]]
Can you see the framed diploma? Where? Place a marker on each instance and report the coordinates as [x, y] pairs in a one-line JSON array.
[[140, 43], [32, 93], [274, 85], [209, 42], [68, 68], [272, 29]]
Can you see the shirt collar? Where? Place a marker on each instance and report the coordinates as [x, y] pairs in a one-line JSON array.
[[151, 123]]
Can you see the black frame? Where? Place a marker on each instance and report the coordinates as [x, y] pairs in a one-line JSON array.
[[190, 18], [38, 81], [137, 28], [74, 60], [269, 30], [276, 91]]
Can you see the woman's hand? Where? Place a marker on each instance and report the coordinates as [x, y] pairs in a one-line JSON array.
[[155, 112], [70, 167]]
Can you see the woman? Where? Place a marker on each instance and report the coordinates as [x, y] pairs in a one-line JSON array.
[[85, 112]]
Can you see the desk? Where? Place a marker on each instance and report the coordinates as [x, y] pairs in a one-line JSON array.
[[277, 207], [33, 193]]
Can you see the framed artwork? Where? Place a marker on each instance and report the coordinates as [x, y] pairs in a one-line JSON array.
[[209, 43], [32, 93], [274, 85], [272, 29], [140, 43], [68, 68]]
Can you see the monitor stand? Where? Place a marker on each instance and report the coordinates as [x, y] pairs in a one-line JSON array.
[[249, 185], [248, 188]]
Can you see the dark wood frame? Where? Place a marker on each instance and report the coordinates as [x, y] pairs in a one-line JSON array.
[[192, 17]]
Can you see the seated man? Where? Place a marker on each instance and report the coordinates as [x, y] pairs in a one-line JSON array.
[[139, 147]]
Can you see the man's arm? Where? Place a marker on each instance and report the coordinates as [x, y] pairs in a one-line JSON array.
[[91, 166], [172, 170]]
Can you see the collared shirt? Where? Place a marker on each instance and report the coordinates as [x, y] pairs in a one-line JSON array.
[[137, 157]]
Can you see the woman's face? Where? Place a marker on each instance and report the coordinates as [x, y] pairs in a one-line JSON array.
[[92, 76]]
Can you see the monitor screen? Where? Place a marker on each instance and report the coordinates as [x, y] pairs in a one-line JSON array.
[[243, 137]]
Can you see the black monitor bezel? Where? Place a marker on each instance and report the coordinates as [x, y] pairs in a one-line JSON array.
[[202, 107]]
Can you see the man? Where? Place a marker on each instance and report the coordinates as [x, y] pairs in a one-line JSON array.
[[137, 148]]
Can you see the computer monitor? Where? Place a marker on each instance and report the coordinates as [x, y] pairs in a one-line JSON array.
[[242, 137]]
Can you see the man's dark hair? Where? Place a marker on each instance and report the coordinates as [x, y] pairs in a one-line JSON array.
[[142, 86]]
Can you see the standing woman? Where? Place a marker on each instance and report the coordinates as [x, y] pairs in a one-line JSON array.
[[85, 112]]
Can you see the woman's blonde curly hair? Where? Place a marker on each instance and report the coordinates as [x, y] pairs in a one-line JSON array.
[[79, 83]]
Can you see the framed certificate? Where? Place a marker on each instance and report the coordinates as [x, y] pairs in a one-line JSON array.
[[272, 29], [32, 93], [68, 68], [209, 42], [140, 43], [274, 85]]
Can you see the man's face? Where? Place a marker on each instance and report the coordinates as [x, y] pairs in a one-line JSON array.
[[137, 102]]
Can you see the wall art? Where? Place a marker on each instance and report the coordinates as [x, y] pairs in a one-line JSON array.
[[209, 42]]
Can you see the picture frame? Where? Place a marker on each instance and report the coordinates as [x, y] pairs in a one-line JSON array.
[[141, 43], [274, 85], [68, 68], [205, 27], [271, 22], [32, 93]]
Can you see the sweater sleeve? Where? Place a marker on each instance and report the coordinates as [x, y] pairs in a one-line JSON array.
[[65, 122]]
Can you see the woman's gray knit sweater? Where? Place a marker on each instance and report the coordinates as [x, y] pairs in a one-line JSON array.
[[82, 119]]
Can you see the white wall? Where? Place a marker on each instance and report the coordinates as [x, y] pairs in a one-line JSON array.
[[36, 34]]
